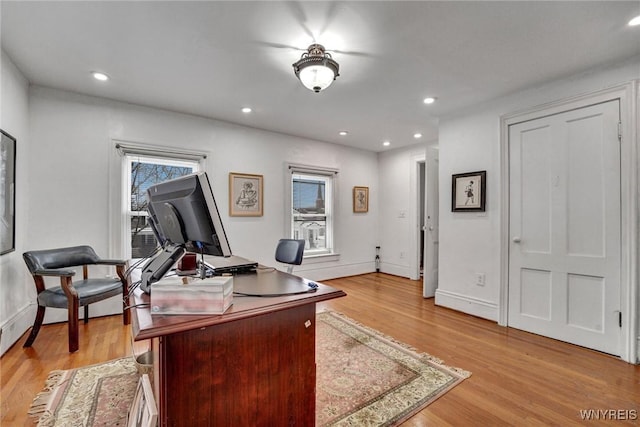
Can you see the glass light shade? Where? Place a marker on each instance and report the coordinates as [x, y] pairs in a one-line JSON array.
[[317, 77]]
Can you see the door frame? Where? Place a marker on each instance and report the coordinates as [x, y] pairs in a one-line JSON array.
[[629, 98]]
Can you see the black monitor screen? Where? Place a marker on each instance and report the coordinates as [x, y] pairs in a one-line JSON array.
[[185, 213]]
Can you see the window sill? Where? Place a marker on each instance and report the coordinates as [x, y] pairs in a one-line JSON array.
[[315, 259]]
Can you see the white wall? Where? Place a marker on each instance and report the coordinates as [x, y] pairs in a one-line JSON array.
[[470, 141], [73, 165], [67, 196], [15, 297]]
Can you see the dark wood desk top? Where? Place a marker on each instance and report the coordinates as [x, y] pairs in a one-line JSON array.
[[146, 326]]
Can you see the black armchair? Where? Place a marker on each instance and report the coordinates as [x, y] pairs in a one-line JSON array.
[[72, 294]]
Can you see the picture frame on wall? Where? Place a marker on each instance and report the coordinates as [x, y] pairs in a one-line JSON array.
[[245, 194], [143, 411], [360, 199], [468, 192], [7, 193]]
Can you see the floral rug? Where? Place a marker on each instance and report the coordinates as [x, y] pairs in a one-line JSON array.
[[362, 379], [96, 395], [366, 379]]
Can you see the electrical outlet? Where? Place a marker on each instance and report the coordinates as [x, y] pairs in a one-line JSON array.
[[480, 279], [401, 255]]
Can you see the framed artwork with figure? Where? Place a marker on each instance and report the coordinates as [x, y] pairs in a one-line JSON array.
[[360, 199], [468, 192], [245, 194]]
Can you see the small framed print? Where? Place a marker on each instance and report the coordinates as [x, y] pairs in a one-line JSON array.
[[245, 194], [468, 192], [143, 412], [360, 199]]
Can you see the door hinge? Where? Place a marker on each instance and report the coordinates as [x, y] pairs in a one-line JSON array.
[[619, 131]]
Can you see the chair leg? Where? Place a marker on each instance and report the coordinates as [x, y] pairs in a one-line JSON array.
[[73, 324], [36, 326], [86, 314]]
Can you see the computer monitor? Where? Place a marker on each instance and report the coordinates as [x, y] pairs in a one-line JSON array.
[[185, 216]]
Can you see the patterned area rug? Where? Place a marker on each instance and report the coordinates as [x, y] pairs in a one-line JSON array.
[[363, 379], [366, 379], [96, 395]]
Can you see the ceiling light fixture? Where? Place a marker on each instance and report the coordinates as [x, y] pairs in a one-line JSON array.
[[635, 21], [386, 143], [417, 135], [343, 133], [429, 100], [99, 76], [316, 69], [246, 110]]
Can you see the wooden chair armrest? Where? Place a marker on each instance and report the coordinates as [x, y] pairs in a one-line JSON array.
[[54, 272], [68, 288]]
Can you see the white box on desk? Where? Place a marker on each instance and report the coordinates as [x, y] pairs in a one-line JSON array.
[[213, 295]]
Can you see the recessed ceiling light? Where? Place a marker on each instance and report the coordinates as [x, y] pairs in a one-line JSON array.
[[343, 133], [429, 100], [99, 76], [246, 110], [635, 21], [417, 135], [386, 143]]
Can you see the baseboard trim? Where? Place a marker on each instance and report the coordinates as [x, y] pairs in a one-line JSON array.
[[15, 327], [396, 270], [334, 272], [474, 306]]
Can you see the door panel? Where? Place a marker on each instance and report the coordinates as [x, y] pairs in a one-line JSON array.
[[564, 220]]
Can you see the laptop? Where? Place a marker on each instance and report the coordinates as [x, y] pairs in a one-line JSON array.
[[233, 264]]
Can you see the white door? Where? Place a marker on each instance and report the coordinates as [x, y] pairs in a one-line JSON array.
[[430, 261], [564, 225]]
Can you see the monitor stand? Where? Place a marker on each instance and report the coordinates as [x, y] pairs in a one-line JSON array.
[[157, 267]]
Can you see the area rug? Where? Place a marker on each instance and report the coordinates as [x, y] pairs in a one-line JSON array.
[[362, 379], [366, 379], [96, 395]]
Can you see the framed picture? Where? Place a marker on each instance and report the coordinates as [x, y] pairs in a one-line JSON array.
[[143, 412], [361, 199], [468, 192], [7, 193], [245, 194]]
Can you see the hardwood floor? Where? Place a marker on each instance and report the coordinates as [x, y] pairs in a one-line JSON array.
[[517, 378]]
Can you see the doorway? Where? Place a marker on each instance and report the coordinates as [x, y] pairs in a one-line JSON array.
[[428, 170]]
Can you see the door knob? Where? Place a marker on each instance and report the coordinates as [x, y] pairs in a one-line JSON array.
[[516, 239]]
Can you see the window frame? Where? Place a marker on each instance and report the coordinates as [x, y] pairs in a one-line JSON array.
[[329, 175], [130, 153]]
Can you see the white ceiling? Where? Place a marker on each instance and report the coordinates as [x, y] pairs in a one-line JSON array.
[[212, 58]]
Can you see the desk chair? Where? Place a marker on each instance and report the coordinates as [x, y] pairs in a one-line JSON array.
[[72, 295], [290, 251]]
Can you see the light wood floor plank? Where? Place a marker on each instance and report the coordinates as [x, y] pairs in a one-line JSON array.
[[517, 378]]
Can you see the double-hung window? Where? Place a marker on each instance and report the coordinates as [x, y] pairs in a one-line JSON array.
[[143, 169], [312, 209]]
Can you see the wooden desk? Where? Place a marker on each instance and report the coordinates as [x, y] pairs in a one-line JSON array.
[[252, 366]]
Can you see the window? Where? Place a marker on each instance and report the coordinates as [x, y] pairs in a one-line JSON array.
[[143, 167], [312, 195], [143, 173]]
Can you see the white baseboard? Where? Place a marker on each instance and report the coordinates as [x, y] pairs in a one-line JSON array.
[[396, 270], [474, 306], [326, 273], [16, 326]]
